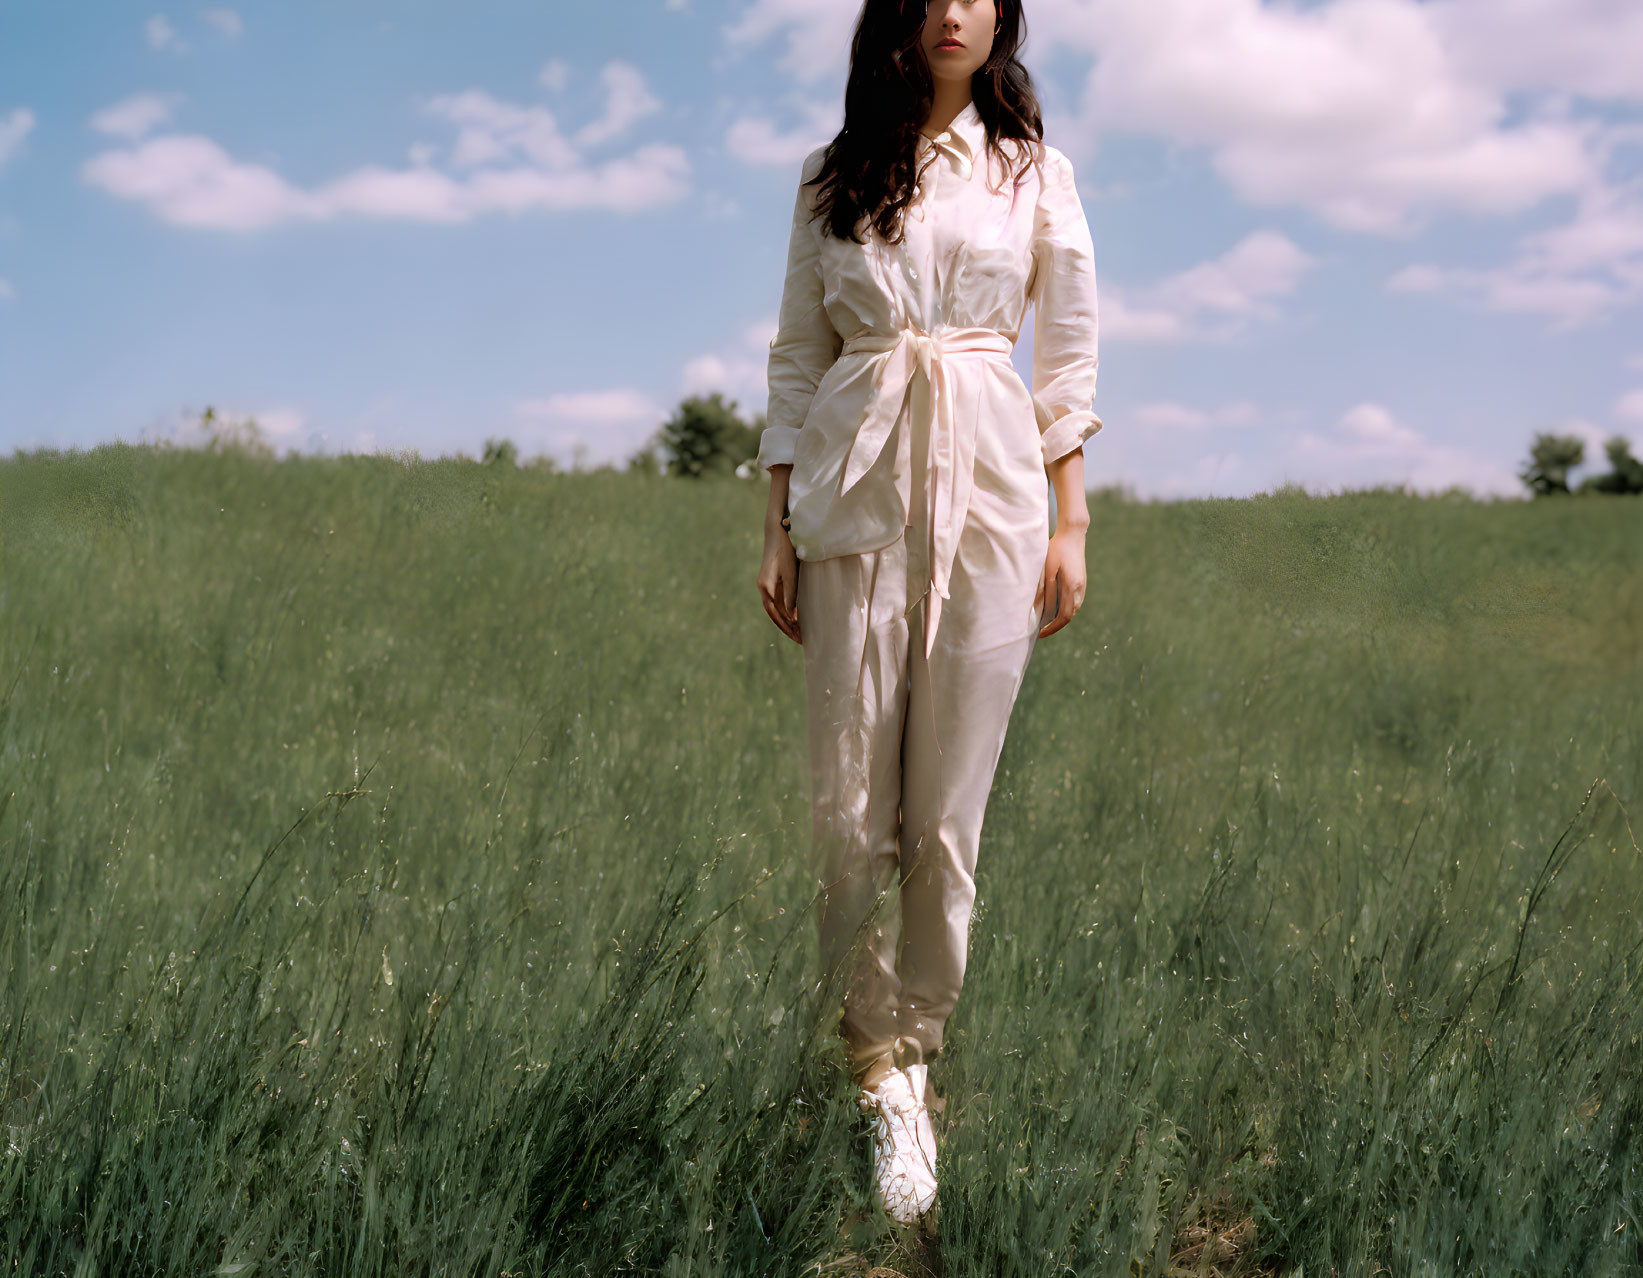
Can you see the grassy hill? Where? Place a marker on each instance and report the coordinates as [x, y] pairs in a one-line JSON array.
[[405, 871]]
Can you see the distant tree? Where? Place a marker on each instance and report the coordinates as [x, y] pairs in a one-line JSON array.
[[500, 452], [706, 436], [1551, 457], [1625, 471]]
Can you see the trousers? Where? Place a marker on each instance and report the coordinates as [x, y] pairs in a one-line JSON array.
[[903, 746]]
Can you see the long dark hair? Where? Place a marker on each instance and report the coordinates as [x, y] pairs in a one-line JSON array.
[[868, 169]]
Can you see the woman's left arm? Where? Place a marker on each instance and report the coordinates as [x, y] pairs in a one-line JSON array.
[[1065, 359], [1063, 579]]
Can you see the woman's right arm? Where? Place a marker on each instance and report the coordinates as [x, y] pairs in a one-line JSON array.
[[806, 344], [803, 349]]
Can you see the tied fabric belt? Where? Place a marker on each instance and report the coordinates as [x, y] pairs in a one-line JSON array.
[[913, 364]]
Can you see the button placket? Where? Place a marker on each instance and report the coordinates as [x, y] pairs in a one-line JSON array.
[[908, 267], [943, 144], [930, 179]]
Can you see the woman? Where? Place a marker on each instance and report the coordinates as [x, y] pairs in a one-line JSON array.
[[908, 468]]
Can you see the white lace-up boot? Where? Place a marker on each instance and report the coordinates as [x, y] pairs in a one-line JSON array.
[[904, 1143]]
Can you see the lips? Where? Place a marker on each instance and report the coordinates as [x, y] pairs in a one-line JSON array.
[[950, 44]]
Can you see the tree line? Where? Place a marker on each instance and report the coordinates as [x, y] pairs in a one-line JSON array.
[[1552, 457], [706, 435]]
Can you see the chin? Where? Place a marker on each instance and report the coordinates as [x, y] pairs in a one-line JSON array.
[[944, 67]]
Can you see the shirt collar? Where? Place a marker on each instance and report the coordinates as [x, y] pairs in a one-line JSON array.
[[962, 140]]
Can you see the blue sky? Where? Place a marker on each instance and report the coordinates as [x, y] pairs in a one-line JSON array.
[[1339, 243]]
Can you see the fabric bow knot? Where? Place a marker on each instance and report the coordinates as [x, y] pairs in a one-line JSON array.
[[913, 371]]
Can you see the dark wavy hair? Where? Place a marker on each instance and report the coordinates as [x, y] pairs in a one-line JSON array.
[[868, 169]]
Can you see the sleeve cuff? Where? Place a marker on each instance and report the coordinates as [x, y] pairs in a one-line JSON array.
[[776, 446], [1069, 432]]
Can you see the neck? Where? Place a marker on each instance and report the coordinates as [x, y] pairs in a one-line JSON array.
[[950, 97]]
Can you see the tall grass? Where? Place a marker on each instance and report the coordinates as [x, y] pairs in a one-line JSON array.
[[405, 871]]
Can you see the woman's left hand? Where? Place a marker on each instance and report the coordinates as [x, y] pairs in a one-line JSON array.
[[1062, 579]]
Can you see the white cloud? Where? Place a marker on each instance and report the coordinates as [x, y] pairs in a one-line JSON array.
[[134, 116], [1568, 302], [610, 425], [1361, 114], [592, 408], [516, 159], [1375, 113], [653, 175], [1170, 449], [627, 100], [189, 180], [1629, 407], [1373, 428], [1607, 228], [739, 371], [1167, 449], [492, 130], [1171, 415], [1588, 47], [1262, 264], [16, 125], [1574, 274], [817, 35], [592, 427], [226, 21], [756, 139], [7, 291], [162, 35], [1122, 321], [1212, 301], [1370, 447], [554, 75]]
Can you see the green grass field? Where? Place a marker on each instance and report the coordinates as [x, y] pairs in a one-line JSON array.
[[404, 868]]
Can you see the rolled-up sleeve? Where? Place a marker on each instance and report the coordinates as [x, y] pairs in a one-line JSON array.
[[806, 344], [1063, 293]]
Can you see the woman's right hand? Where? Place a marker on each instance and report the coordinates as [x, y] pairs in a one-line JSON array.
[[779, 580]]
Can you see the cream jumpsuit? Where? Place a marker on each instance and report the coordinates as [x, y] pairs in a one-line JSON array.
[[919, 507]]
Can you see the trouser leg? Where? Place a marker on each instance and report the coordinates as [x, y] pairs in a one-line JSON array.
[[855, 658], [959, 705]]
